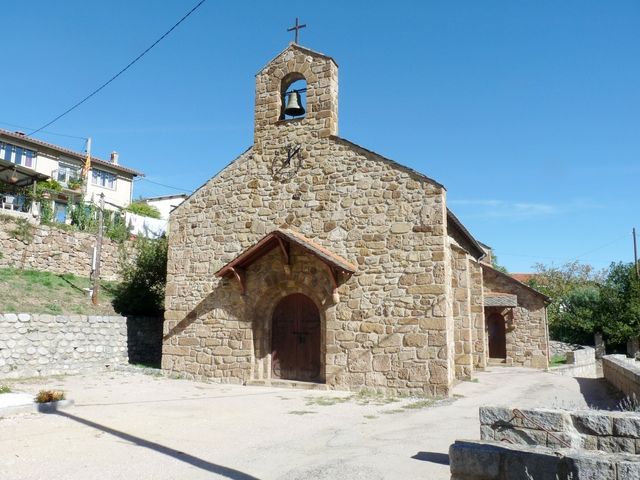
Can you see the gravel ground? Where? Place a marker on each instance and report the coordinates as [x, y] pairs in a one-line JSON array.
[[130, 425]]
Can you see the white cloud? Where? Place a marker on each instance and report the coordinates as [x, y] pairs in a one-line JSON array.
[[490, 208]]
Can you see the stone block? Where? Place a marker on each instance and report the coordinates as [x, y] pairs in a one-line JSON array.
[[495, 415], [616, 444], [521, 436], [393, 340], [474, 460], [627, 425], [381, 363], [628, 468], [590, 465], [415, 340], [359, 360], [593, 422], [532, 462]]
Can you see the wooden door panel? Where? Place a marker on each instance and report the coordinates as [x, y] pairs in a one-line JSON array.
[[296, 339], [497, 336]]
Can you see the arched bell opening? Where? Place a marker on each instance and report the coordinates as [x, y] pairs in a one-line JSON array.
[[293, 95]]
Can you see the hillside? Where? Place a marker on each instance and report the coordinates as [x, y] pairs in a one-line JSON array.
[[30, 291]]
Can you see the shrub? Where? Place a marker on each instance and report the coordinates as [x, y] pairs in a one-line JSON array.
[[45, 396], [4, 388], [630, 403], [144, 209], [144, 280]]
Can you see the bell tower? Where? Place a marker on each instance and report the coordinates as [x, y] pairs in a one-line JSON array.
[[317, 117]]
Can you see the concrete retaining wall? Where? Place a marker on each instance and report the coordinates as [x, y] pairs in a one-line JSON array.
[[471, 460], [623, 373], [35, 345], [580, 363], [602, 430]]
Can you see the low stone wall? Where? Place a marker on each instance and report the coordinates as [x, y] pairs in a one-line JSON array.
[[50, 249], [602, 430], [580, 363], [36, 345], [623, 373], [145, 340], [472, 460]]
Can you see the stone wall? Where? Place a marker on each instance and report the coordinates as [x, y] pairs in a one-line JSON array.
[[580, 363], [392, 327], [623, 373], [462, 315], [473, 460], [54, 250], [602, 430], [526, 325], [35, 345]]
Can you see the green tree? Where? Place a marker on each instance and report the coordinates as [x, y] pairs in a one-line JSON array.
[[142, 290], [574, 292], [141, 208], [619, 306]]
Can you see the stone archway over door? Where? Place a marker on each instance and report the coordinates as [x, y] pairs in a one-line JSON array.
[[497, 336], [295, 339]]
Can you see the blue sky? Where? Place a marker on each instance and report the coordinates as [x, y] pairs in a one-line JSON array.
[[527, 111]]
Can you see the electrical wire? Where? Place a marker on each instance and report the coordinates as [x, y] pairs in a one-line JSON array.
[[44, 131], [142, 179], [120, 72]]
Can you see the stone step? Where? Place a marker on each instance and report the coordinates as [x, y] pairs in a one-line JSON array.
[[288, 384]]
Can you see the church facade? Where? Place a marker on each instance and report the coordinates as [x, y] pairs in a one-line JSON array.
[[312, 259]]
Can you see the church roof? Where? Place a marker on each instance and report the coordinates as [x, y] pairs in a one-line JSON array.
[[509, 279], [279, 239]]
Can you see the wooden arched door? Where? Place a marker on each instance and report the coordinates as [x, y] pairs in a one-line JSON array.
[[295, 339], [497, 336]]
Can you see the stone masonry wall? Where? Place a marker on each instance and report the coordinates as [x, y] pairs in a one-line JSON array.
[[602, 430], [489, 460], [34, 345], [462, 315], [392, 326], [478, 332], [57, 251], [623, 373], [526, 329], [580, 363]]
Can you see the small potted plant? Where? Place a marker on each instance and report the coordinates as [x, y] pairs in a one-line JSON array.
[[48, 401]]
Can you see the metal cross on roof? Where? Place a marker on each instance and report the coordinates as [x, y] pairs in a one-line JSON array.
[[297, 27]]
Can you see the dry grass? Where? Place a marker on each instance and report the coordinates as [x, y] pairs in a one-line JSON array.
[[30, 291], [45, 396]]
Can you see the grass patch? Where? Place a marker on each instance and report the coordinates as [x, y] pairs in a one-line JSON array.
[[370, 417], [558, 359], [31, 291], [326, 401], [419, 404], [5, 389], [301, 412], [391, 412]]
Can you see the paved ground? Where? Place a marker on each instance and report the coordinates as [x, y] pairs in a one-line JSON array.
[[135, 426]]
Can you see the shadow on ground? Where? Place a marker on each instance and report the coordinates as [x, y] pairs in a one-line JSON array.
[[598, 393], [178, 455], [432, 457]]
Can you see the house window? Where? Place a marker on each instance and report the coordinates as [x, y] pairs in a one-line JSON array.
[[67, 173], [17, 155], [103, 179]]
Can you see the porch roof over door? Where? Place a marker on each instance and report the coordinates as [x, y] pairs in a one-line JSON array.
[[281, 239]]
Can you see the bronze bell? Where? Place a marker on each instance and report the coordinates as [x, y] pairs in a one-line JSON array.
[[293, 108]]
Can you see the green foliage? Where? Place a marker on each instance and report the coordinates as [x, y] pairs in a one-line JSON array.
[[619, 309], [585, 302], [497, 266], [557, 360], [84, 217], [142, 291], [144, 209], [23, 231], [4, 388]]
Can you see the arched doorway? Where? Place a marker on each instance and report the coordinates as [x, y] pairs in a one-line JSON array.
[[497, 336], [295, 339]]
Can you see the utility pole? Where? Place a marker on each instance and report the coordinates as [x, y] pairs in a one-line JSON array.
[[635, 254], [96, 272], [86, 168]]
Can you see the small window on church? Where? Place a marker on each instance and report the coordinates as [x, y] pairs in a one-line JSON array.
[[294, 97]]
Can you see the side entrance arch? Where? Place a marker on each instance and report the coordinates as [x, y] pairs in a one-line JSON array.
[[497, 336], [295, 339]]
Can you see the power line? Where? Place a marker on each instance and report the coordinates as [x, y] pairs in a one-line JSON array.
[[142, 179], [121, 71], [43, 131]]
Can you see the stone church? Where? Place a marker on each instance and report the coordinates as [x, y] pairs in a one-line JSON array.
[[312, 259]]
